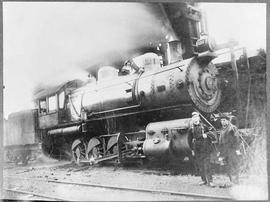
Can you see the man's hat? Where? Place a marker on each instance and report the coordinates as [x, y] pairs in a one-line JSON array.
[[195, 114], [223, 116]]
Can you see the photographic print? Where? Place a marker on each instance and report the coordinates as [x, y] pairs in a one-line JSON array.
[[134, 101]]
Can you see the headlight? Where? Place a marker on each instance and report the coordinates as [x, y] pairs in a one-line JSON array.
[[205, 43]]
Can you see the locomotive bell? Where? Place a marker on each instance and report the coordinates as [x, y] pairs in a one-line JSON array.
[[149, 61]]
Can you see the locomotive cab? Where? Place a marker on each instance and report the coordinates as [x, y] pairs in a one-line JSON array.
[[53, 106]]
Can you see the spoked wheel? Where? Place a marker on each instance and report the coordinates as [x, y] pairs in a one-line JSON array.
[[114, 149], [93, 155], [78, 153]]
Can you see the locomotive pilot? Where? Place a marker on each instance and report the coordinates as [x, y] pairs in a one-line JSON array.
[[202, 148], [229, 147]]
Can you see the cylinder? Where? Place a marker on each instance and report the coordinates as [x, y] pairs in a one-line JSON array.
[[167, 137], [180, 144], [156, 147]]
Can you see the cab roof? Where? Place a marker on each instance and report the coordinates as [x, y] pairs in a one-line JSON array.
[[66, 86]]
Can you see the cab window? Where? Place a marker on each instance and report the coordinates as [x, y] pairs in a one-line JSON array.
[[61, 100], [42, 106], [52, 103]]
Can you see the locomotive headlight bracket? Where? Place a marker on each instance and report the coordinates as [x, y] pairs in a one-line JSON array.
[[205, 47], [205, 43]]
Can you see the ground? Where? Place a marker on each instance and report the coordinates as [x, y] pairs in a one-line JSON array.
[[131, 176]]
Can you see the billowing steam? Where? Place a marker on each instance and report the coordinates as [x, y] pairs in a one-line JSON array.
[[49, 42]]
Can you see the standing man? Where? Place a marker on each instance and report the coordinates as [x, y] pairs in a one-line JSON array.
[[229, 147], [202, 148]]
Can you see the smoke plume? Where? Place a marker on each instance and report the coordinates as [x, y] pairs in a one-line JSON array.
[[47, 43]]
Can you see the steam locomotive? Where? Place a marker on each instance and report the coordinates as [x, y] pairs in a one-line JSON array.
[[140, 110]]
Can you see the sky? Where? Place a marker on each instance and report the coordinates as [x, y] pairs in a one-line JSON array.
[[243, 22], [50, 42]]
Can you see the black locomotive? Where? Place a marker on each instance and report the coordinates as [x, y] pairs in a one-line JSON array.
[[140, 113], [140, 110]]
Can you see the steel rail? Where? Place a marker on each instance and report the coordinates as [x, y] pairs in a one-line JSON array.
[[35, 194], [177, 193]]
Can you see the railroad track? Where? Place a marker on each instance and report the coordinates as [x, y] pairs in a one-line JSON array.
[[34, 194], [120, 188]]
